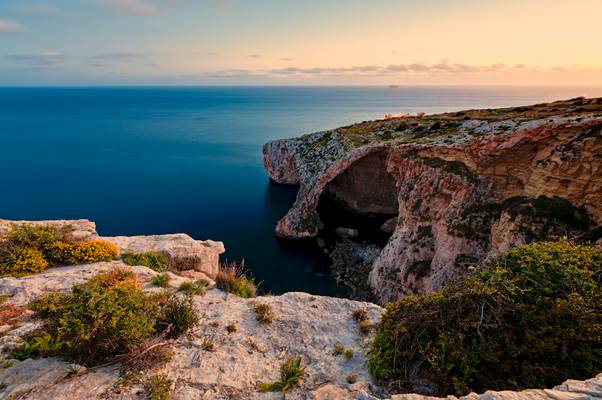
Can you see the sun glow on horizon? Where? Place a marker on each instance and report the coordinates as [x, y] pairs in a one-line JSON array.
[[460, 42]]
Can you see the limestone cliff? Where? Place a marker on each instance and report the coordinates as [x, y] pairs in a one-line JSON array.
[[463, 186], [304, 325]]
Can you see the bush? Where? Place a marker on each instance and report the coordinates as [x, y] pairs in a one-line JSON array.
[[104, 317], [25, 248], [36, 236], [530, 319], [158, 387], [231, 279], [83, 252], [193, 288], [178, 316], [291, 374], [161, 280], [19, 261], [156, 261], [31, 248]]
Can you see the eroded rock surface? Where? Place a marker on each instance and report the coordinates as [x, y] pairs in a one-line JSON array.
[[184, 252], [468, 185], [304, 326]]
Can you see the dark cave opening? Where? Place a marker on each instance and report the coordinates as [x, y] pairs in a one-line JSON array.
[[353, 209]]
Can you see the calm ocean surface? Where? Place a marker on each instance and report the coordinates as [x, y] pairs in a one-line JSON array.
[[165, 160]]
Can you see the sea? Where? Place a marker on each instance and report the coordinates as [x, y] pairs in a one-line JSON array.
[[153, 160]]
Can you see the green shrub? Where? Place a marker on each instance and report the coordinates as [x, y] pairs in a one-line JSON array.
[[25, 248], [231, 279], [107, 316], [291, 375], [193, 288], [156, 261], [161, 280], [18, 261], [83, 252], [178, 316], [36, 236], [531, 319], [158, 387]]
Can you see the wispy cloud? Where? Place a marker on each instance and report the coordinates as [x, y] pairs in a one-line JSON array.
[[8, 26], [443, 67], [151, 7], [121, 57], [132, 7], [36, 59], [255, 56]]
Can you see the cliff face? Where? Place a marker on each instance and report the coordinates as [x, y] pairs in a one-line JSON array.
[[304, 326], [468, 185]]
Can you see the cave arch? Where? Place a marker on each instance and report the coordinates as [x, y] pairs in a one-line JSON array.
[[362, 197]]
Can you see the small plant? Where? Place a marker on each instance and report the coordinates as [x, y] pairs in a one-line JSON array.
[[195, 288], [27, 350], [263, 313], [348, 353], [231, 328], [158, 387], [156, 261], [207, 345], [351, 379], [338, 349], [254, 346], [231, 279], [88, 252], [177, 317], [161, 280], [360, 315], [365, 327], [291, 375]]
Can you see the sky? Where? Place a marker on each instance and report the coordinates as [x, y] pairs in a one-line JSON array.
[[301, 42]]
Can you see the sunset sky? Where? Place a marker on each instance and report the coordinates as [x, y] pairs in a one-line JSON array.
[[280, 42]]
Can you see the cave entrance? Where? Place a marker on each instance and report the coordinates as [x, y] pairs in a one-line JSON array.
[[359, 200]]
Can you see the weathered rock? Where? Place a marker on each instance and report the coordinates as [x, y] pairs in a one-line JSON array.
[[184, 252], [304, 326], [80, 229], [457, 178], [347, 233], [278, 160]]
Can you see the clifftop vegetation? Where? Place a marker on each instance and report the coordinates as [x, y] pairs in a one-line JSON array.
[[532, 318]]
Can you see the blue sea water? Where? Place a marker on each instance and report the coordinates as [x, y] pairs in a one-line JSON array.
[[163, 160]]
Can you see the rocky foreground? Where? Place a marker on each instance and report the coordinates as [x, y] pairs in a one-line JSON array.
[[216, 361], [457, 188]]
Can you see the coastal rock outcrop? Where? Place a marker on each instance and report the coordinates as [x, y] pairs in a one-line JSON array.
[[465, 186], [238, 360], [184, 253]]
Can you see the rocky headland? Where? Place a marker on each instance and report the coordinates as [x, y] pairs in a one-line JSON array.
[[405, 207], [448, 190]]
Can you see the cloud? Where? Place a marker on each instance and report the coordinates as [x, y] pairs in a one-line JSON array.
[[151, 7], [7, 26], [256, 56], [37, 59], [444, 67], [121, 57], [287, 59], [132, 7]]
